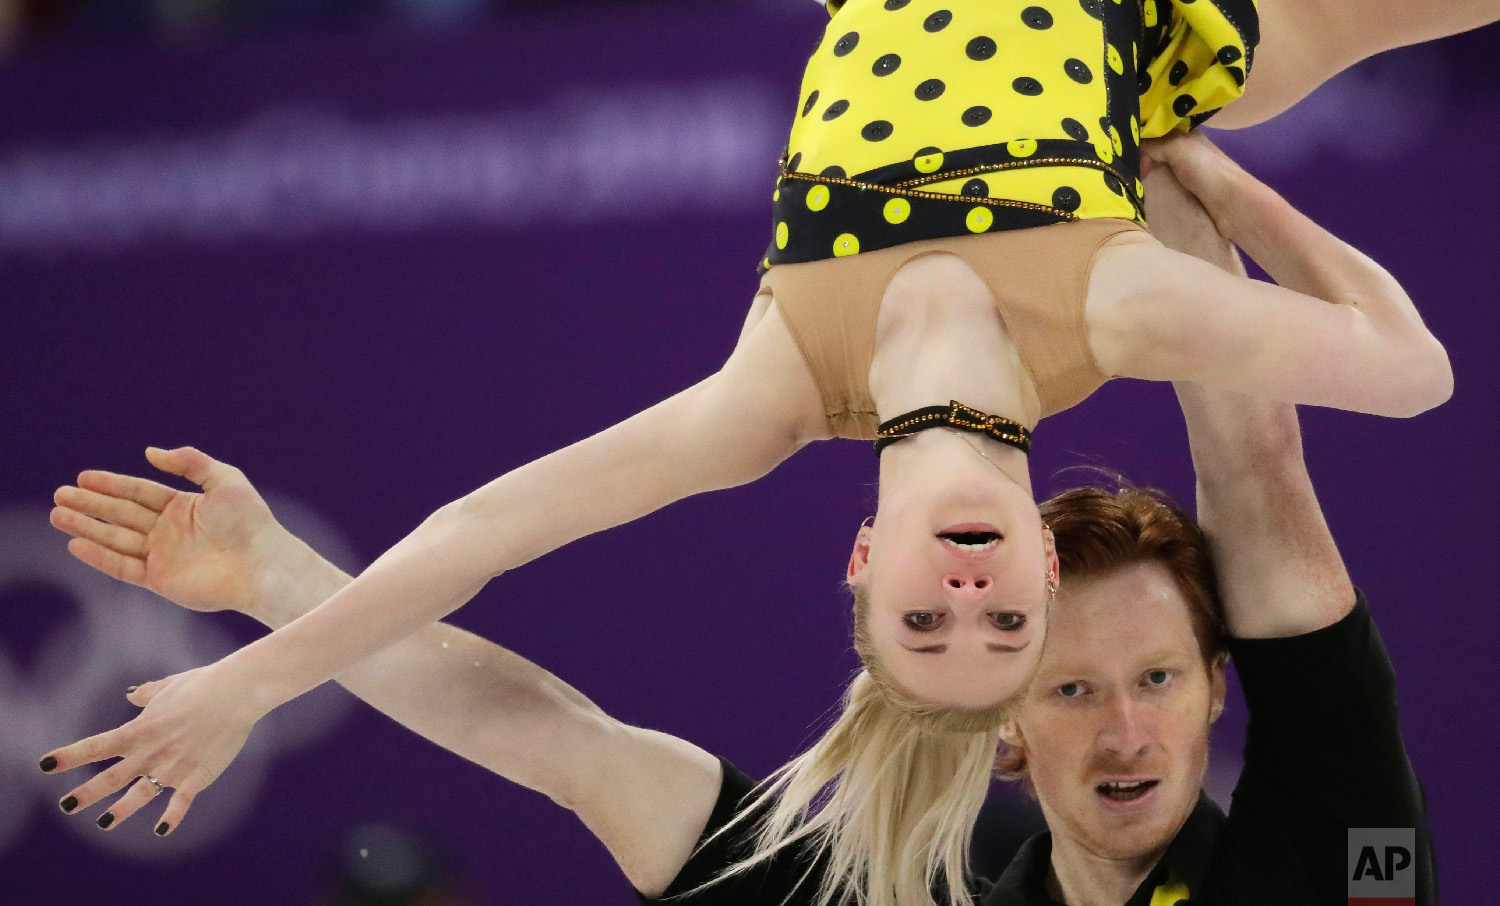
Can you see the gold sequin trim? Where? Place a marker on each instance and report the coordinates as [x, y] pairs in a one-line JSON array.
[[900, 187], [961, 416], [935, 196]]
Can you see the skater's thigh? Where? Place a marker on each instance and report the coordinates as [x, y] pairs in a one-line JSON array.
[[1304, 43]]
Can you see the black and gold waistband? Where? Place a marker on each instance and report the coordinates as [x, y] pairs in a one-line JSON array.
[[832, 214]]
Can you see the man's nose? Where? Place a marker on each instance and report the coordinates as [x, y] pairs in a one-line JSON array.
[[1129, 727]]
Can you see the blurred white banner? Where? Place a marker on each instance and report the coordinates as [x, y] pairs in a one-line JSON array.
[[615, 156]]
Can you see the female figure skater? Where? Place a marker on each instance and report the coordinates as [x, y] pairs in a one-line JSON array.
[[952, 580]]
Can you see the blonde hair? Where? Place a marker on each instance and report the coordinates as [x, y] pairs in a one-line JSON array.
[[888, 796]]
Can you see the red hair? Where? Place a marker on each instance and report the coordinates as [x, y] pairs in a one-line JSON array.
[[1098, 530]]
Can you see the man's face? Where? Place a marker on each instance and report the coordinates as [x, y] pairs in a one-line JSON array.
[[1115, 722]]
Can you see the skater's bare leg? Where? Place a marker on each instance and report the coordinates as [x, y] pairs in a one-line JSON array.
[[1304, 43]]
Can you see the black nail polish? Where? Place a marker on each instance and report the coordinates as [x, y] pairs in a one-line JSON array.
[[49, 763], [130, 689], [106, 819], [69, 804], [161, 829]]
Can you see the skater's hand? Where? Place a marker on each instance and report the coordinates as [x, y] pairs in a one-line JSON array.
[[1200, 166], [205, 551], [1180, 221], [192, 726]]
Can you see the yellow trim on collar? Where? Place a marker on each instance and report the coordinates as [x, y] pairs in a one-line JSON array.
[[1171, 893]]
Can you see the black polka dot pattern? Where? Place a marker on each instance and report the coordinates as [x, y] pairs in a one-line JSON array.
[[981, 48], [1027, 85], [930, 90], [976, 137], [1036, 17], [938, 21]]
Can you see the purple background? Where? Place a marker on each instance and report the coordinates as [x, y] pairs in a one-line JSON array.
[[374, 369]]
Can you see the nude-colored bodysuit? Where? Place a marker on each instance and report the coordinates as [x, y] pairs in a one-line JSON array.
[[1039, 278]]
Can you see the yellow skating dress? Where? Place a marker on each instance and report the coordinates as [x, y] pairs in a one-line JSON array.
[[921, 119]]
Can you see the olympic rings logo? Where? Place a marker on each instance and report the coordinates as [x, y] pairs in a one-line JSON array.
[[121, 635]]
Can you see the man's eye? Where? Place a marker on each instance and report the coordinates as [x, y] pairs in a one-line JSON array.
[[1070, 690], [1008, 622], [921, 621], [1158, 677]]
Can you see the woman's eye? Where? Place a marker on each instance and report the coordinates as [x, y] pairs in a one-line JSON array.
[[1070, 690], [921, 621], [1008, 622], [1158, 677]]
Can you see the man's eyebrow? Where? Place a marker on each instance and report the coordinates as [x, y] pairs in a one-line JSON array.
[[992, 646], [1163, 656]]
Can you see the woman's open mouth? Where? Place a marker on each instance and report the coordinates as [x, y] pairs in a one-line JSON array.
[[970, 540]]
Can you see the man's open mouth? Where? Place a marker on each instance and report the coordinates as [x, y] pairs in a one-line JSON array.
[[971, 542], [1126, 790]]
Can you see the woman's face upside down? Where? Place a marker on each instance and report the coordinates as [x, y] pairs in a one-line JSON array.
[[952, 589]]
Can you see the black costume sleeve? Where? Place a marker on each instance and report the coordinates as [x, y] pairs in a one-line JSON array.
[[1323, 754], [783, 879]]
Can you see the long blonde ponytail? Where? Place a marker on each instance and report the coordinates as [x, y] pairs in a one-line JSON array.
[[888, 796]]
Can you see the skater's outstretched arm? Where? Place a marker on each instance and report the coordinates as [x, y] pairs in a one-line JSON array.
[[1290, 609], [727, 430], [645, 794]]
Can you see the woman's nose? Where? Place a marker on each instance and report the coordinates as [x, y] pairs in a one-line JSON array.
[[966, 586]]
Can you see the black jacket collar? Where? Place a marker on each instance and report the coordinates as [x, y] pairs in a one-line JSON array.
[[1185, 863]]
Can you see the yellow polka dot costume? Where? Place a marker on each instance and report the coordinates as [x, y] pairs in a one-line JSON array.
[[922, 119]]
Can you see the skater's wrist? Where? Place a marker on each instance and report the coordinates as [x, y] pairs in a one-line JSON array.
[[290, 580]]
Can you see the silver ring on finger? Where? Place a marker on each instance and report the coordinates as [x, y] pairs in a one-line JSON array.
[[154, 782]]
